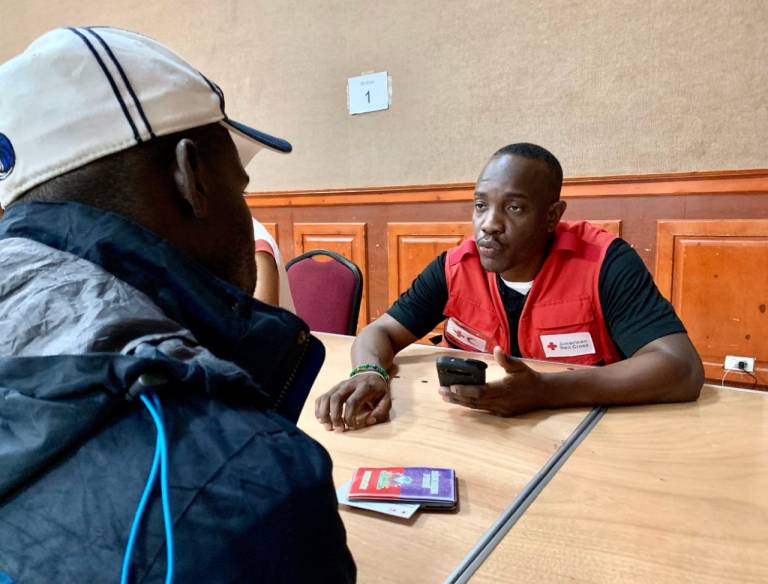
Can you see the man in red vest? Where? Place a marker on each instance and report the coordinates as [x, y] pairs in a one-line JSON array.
[[529, 285]]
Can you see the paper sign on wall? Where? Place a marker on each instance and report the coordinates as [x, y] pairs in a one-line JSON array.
[[368, 93]]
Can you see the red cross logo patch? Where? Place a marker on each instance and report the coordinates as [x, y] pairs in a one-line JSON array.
[[567, 345], [463, 336]]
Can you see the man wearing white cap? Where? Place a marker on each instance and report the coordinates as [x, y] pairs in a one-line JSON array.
[[147, 427]]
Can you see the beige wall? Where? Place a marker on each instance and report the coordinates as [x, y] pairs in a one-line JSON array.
[[610, 86]]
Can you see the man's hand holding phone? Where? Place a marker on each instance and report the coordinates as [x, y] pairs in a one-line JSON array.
[[518, 392], [457, 371]]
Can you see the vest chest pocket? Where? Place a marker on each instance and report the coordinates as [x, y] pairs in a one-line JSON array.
[[565, 329], [567, 315]]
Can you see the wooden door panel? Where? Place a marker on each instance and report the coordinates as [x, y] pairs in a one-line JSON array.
[[715, 273], [272, 230], [341, 245], [411, 246]]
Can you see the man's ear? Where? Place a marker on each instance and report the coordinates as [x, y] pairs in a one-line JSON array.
[[187, 175], [554, 213]]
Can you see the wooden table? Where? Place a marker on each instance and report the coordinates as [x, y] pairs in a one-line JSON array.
[[494, 458], [666, 493]]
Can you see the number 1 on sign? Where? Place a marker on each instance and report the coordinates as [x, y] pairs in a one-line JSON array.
[[368, 93]]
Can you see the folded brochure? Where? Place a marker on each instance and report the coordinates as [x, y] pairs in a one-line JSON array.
[[427, 486]]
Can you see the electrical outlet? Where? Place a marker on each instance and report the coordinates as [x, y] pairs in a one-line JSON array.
[[732, 363]]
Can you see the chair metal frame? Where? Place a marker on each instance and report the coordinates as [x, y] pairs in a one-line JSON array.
[[358, 293]]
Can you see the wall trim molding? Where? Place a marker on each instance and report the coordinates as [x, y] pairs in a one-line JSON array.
[[730, 182]]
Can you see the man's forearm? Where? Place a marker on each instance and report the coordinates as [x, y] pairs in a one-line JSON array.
[[380, 341], [373, 345], [651, 377]]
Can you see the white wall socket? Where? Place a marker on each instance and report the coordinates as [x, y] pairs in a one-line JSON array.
[[732, 363]]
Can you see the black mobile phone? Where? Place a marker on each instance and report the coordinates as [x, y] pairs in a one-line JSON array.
[[456, 371]]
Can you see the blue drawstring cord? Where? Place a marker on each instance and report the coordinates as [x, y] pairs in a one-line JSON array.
[[140, 512], [167, 519], [160, 460]]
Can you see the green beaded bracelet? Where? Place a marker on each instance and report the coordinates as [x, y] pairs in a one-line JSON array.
[[370, 367]]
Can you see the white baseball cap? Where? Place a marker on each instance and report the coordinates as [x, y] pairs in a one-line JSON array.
[[78, 94]]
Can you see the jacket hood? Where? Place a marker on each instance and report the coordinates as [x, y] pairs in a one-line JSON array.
[[89, 301]]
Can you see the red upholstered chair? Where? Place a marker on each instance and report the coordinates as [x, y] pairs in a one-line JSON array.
[[326, 293]]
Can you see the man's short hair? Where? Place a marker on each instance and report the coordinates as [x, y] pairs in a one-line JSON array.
[[536, 152]]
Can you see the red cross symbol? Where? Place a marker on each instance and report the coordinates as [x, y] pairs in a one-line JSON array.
[[551, 346]]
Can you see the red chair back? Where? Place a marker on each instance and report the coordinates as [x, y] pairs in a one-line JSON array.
[[326, 294]]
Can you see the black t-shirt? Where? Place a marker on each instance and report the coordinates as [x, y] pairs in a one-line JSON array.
[[635, 312]]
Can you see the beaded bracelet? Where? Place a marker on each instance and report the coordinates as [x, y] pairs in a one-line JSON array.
[[370, 367]]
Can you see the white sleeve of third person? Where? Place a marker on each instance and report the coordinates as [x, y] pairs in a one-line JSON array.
[[284, 293]]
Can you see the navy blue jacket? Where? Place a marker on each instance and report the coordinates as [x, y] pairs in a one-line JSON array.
[[252, 496]]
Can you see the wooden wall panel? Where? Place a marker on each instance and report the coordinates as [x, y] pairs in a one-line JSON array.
[[272, 229], [727, 182], [715, 273], [630, 205], [347, 239], [411, 246], [610, 225]]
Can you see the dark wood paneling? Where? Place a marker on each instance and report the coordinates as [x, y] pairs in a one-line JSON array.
[[715, 273]]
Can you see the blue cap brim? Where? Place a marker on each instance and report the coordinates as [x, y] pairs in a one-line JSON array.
[[272, 142]]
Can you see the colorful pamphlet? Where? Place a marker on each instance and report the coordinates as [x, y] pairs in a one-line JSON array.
[[427, 486]]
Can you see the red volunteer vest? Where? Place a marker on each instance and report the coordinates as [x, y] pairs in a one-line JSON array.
[[562, 319]]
